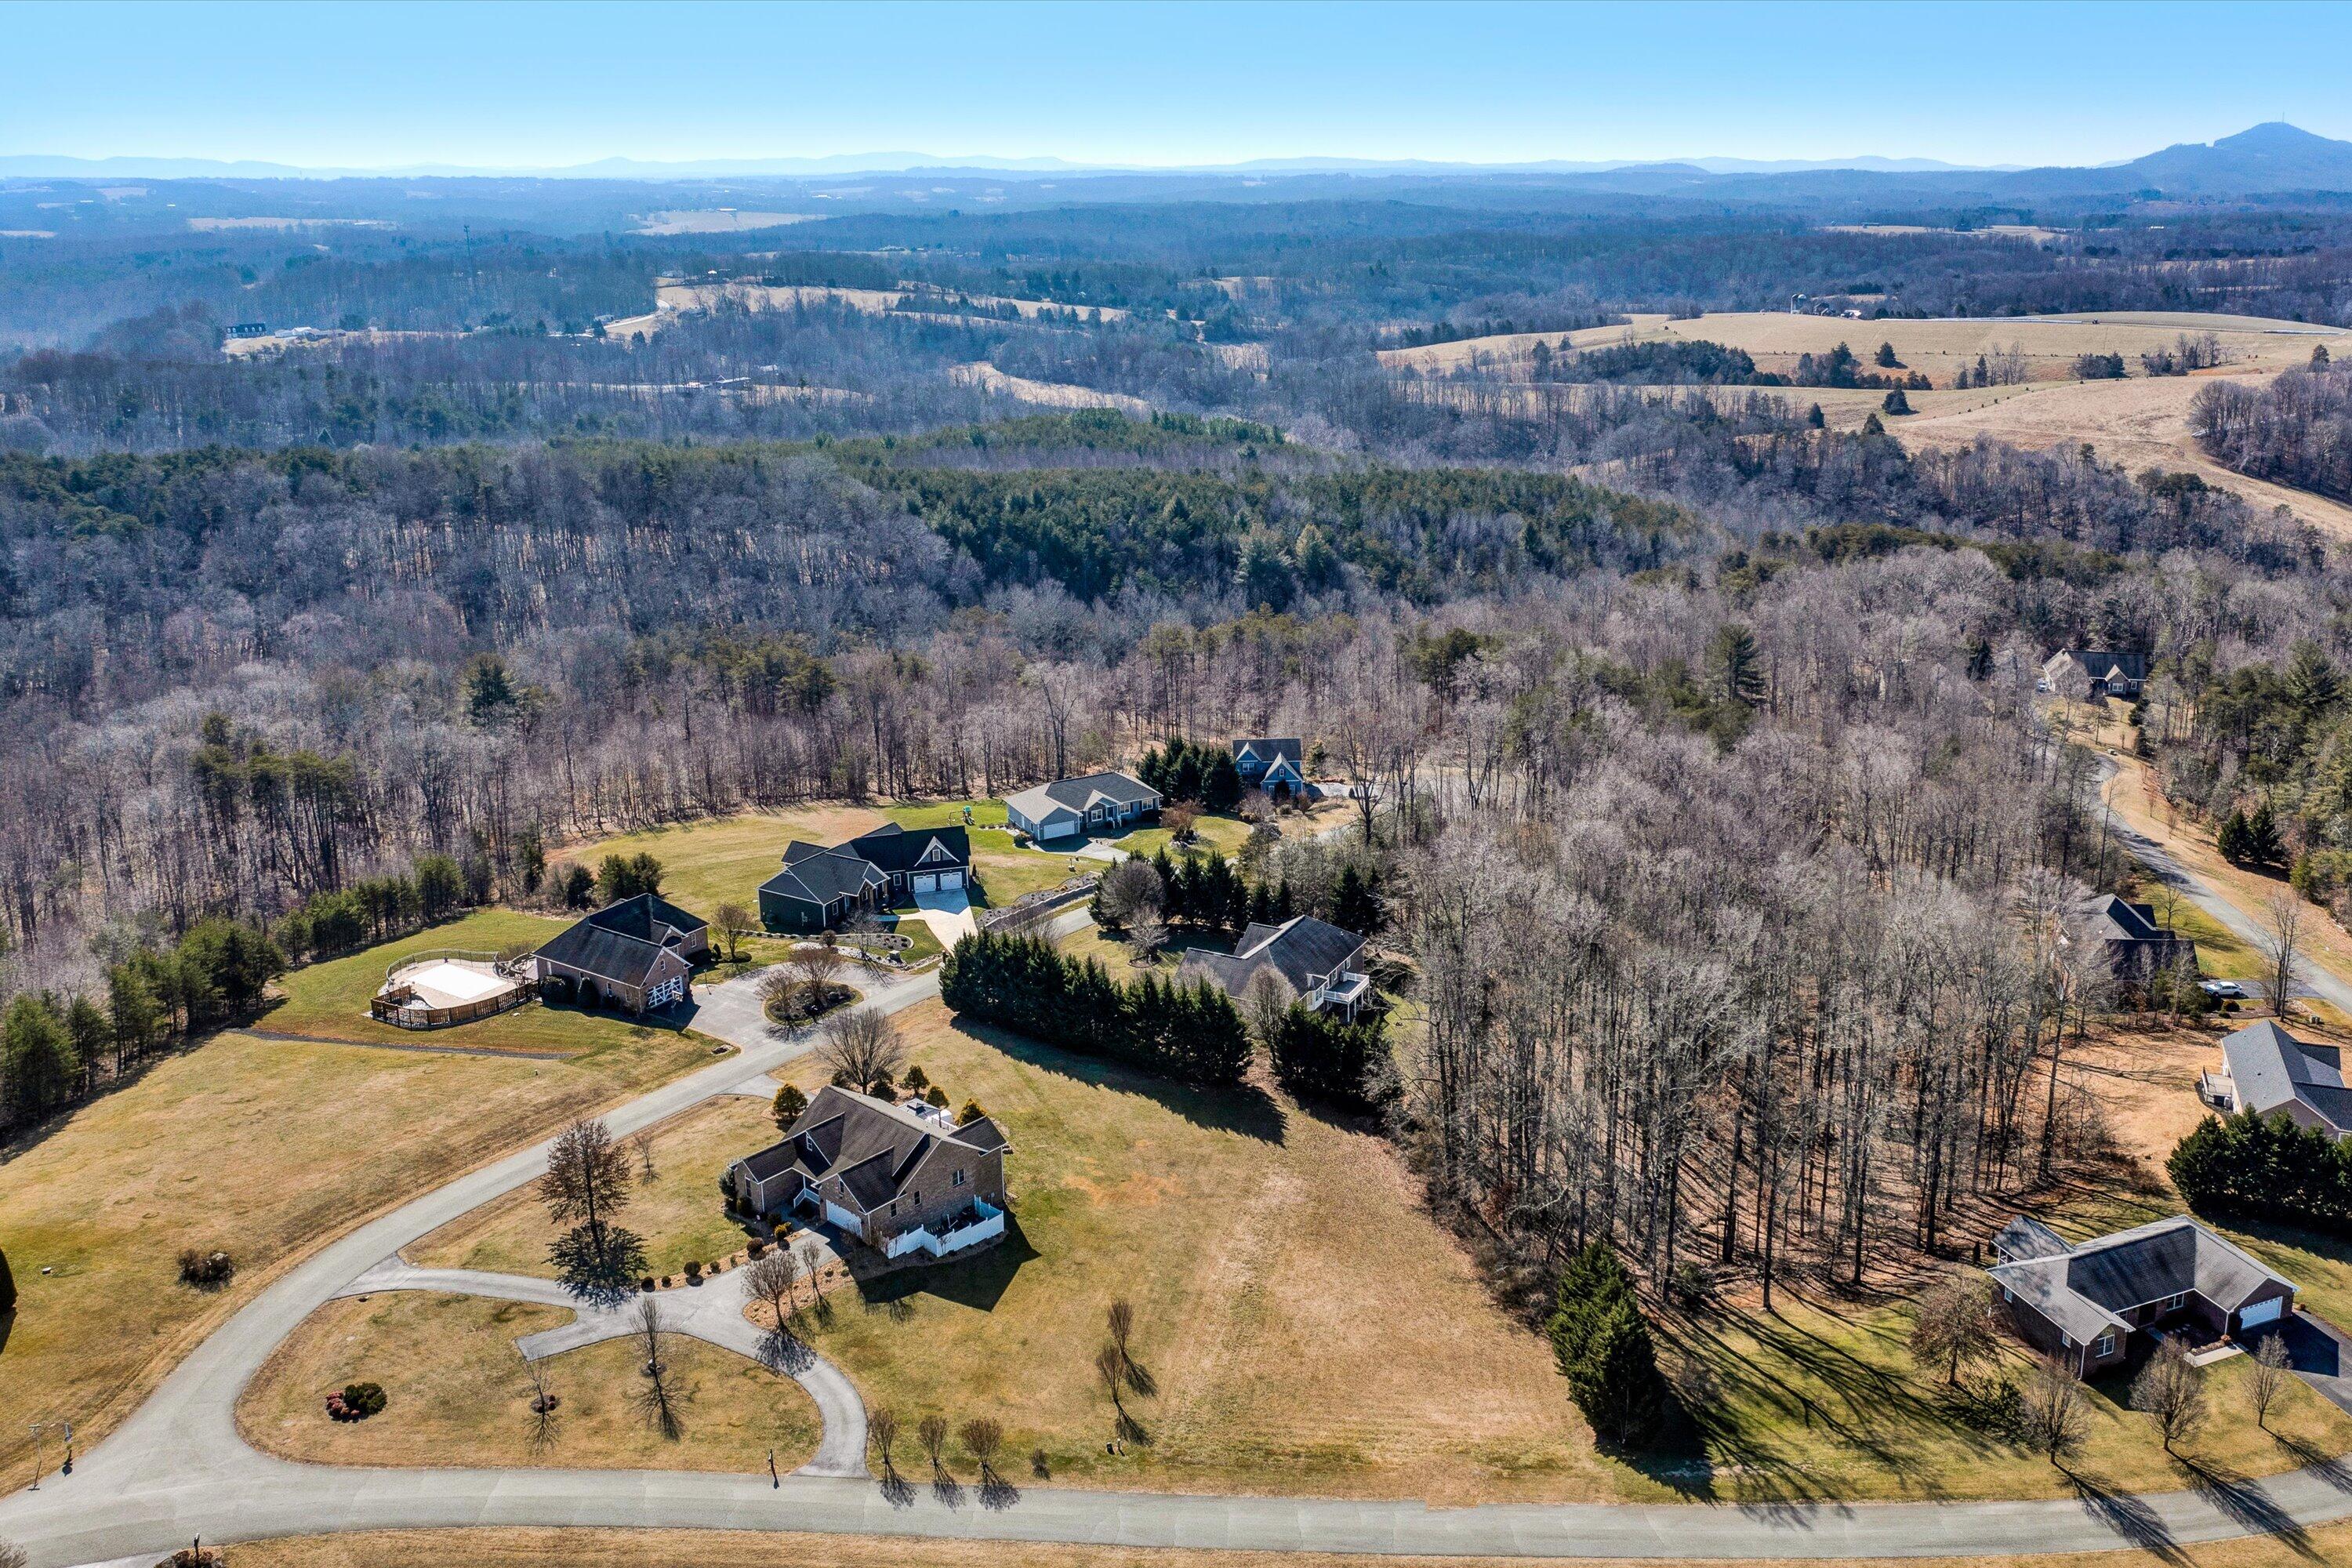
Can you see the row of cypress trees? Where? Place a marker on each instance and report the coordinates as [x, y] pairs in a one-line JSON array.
[[1189, 1032]]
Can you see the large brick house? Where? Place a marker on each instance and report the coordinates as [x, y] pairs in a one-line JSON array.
[[901, 1178], [638, 955], [2099, 1303]]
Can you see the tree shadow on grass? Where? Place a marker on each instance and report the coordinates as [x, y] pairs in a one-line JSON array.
[[1243, 1108]]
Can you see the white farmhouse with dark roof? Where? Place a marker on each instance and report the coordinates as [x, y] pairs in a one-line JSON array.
[[1066, 808]]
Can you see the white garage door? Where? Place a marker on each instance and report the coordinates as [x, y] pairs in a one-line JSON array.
[[2261, 1312], [927, 881]]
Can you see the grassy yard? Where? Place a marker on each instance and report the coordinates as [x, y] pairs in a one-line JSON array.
[[457, 1395], [1307, 1327], [329, 1001], [1226, 835], [517, 1548], [679, 1214], [706, 864], [1820, 1400], [266, 1148]]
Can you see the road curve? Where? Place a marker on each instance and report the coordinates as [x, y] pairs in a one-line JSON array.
[[178, 1467]]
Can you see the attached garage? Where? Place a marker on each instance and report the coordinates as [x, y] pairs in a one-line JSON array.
[[2259, 1312], [937, 881]]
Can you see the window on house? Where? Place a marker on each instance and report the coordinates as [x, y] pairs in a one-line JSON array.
[[958, 1178], [2067, 1340], [2107, 1345]]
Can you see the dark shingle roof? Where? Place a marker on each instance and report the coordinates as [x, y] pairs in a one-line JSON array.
[[1303, 952], [1076, 794], [620, 943], [895, 849], [2113, 919], [2085, 1289], [2270, 1070], [873, 1145], [2027, 1237], [1266, 747], [821, 877]]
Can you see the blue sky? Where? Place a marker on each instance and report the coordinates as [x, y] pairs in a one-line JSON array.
[[371, 85]]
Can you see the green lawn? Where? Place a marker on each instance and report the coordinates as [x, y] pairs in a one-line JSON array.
[[946, 813], [329, 1001], [1226, 835], [922, 942], [724, 860]]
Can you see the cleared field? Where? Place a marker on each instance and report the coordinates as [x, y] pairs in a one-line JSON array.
[[1050, 394], [2039, 235], [721, 220], [218, 225], [2139, 422], [1939, 347], [329, 1001], [457, 1395], [266, 1148], [678, 1214], [673, 298]]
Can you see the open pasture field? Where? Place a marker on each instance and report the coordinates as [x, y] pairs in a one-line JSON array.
[[265, 1148], [721, 220], [457, 1394], [1045, 393], [2033, 232], [1939, 347], [673, 298]]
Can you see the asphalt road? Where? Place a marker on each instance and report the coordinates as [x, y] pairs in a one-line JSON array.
[[178, 1467]]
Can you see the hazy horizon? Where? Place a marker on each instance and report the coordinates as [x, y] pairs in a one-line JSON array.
[[1144, 86]]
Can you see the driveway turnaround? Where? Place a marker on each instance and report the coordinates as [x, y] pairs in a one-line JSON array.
[[178, 1467]]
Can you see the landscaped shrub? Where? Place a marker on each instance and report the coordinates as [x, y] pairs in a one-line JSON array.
[[205, 1270], [1189, 1032], [755, 1249], [935, 1095], [1603, 1347], [646, 1284], [357, 1402], [1321, 1058], [2246, 1167], [694, 1270]]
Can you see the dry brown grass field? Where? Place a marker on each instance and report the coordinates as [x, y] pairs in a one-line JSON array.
[[483, 1548], [221, 225], [267, 1148], [1049, 394], [678, 1212], [1940, 348], [673, 298], [457, 1394]]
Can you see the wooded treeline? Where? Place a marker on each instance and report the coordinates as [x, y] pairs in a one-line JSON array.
[[2296, 430]]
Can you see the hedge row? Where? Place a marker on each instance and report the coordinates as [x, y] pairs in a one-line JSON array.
[[2254, 1168], [1189, 1032]]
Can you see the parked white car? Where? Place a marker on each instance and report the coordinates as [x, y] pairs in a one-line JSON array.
[[2221, 988]]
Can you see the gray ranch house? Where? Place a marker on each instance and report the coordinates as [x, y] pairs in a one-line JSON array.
[[2267, 1071], [900, 1178], [2099, 1303], [1322, 963], [1068, 809], [822, 887], [637, 954], [1274, 764]]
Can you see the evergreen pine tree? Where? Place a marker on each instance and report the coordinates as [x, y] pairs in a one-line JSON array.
[[1618, 1386], [1221, 783], [1897, 402], [1814, 417], [2232, 838], [2264, 847]]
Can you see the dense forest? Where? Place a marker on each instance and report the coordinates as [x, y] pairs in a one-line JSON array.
[[2297, 430]]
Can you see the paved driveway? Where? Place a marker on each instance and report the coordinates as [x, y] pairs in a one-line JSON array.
[[949, 915]]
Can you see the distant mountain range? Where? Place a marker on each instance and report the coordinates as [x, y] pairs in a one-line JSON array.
[[2269, 158]]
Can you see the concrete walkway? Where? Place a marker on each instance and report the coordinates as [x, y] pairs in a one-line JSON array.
[[178, 1467]]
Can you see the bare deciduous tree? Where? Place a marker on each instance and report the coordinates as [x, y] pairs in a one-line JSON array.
[[641, 1144], [882, 1431], [2055, 1421], [862, 1047], [587, 1183], [2281, 945], [660, 1400], [1266, 1001], [733, 920], [2267, 1377], [813, 970], [1954, 1325], [982, 1438], [774, 1278], [2171, 1392], [1129, 891], [541, 1408], [932, 1432]]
